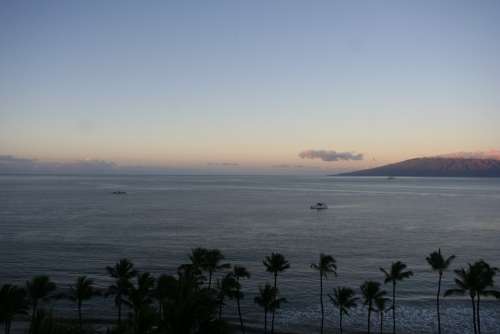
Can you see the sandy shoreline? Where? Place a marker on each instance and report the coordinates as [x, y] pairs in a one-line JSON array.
[[101, 325]]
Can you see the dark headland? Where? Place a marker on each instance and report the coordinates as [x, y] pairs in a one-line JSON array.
[[435, 167]]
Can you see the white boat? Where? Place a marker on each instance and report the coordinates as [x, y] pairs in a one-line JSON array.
[[319, 206]]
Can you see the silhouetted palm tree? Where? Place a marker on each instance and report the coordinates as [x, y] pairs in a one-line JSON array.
[[325, 266], [476, 280], [122, 273], [82, 290], [265, 299], [465, 284], [484, 286], [214, 258], [440, 264], [275, 263], [371, 292], [396, 273], [277, 301], [228, 287], [208, 260], [240, 272], [12, 302], [140, 298], [188, 308], [190, 275], [381, 308], [198, 257], [166, 292], [39, 288], [344, 299]]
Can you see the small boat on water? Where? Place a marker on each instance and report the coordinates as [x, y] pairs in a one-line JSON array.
[[119, 192], [319, 206]]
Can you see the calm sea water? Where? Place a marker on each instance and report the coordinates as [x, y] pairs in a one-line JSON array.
[[71, 225]]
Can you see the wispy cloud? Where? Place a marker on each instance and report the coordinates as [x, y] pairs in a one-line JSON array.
[[330, 155]]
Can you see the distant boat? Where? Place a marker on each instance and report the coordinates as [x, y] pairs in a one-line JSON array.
[[319, 206], [390, 178], [119, 192]]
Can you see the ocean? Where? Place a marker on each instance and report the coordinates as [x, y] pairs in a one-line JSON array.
[[67, 226]]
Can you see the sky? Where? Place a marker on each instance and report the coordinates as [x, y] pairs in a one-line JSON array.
[[265, 86]]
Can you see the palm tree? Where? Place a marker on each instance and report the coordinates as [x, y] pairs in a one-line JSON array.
[[139, 298], [198, 257], [477, 280], [142, 293], [277, 301], [228, 287], [240, 272], [381, 308], [325, 266], [166, 292], [122, 272], [371, 292], [440, 264], [465, 282], [187, 308], [275, 263], [213, 263], [396, 273], [485, 286], [191, 273], [82, 290], [39, 288], [344, 299], [12, 302], [265, 299]]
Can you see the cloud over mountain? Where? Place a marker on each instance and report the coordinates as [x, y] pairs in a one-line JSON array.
[[330, 155]]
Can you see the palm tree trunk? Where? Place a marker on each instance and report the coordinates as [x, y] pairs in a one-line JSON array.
[[33, 314], [80, 315], [321, 300], [274, 308], [369, 316], [381, 322], [340, 322], [272, 321], [265, 321], [478, 317], [474, 314], [137, 320], [394, 307], [119, 313], [220, 309], [239, 314], [437, 303], [7, 326]]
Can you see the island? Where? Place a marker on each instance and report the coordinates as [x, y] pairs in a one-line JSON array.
[[435, 167]]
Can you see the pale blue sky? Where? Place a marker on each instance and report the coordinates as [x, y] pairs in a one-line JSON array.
[[192, 83]]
